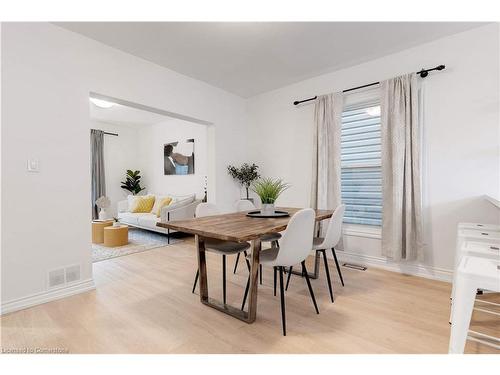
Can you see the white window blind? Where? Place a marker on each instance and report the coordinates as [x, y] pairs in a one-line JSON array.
[[361, 179]]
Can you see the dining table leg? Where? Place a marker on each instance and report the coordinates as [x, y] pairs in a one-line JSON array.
[[254, 270], [202, 268], [246, 316]]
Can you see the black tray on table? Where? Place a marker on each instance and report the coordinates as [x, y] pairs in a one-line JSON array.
[[277, 213]]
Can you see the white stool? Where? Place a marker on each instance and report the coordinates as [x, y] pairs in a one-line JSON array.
[[487, 233], [479, 226], [469, 243], [480, 235], [473, 273]]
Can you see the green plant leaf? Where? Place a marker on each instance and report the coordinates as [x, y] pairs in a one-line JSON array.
[[269, 189], [132, 182]]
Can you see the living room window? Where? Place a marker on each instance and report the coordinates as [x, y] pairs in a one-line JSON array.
[[361, 175]]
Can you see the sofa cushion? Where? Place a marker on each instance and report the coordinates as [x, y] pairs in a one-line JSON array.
[[182, 202], [187, 197], [148, 220], [128, 218]]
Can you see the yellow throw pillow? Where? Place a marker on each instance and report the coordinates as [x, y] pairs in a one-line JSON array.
[[143, 204], [164, 202]]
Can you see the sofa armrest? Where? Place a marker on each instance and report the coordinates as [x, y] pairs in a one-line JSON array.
[[179, 213], [122, 206]]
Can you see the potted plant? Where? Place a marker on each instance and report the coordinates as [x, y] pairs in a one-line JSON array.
[[246, 174], [132, 182], [269, 189]]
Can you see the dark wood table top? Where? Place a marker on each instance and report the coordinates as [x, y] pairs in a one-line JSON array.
[[237, 226]]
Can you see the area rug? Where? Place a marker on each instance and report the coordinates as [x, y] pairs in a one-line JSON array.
[[138, 241]]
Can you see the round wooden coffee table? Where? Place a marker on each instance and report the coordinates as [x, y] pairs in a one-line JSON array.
[[115, 236]]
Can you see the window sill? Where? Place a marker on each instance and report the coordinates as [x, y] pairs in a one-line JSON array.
[[367, 231]]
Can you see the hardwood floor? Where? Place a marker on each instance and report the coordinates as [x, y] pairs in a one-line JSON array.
[[143, 304]]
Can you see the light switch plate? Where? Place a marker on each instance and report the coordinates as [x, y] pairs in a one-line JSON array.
[[33, 165]]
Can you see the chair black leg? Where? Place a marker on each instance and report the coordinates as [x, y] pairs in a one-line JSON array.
[[275, 270], [195, 280], [246, 261], [260, 274], [288, 278], [236, 263], [338, 267], [304, 271], [224, 279], [282, 297], [327, 271]]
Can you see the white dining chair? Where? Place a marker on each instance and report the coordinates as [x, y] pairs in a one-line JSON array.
[[331, 239], [246, 205], [220, 247], [296, 245]]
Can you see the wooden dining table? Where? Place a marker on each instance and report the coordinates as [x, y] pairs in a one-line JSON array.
[[236, 227]]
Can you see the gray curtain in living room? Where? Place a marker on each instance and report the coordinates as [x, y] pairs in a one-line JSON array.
[[401, 169], [325, 189], [97, 165]]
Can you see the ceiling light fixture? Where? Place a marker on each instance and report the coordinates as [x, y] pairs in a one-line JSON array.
[[101, 103]]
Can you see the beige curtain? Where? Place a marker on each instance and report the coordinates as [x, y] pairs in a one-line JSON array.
[[401, 174], [325, 189]]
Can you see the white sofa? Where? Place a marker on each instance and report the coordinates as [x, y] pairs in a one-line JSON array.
[[182, 207]]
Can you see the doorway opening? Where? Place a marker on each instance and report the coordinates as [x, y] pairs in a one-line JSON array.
[[147, 166]]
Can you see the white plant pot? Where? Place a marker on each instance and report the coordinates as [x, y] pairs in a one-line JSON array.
[[267, 209], [116, 224]]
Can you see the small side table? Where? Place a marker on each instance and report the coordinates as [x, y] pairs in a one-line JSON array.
[[98, 230], [115, 236]]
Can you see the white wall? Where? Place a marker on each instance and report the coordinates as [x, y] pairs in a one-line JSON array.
[[153, 138], [461, 141], [120, 153], [47, 74]]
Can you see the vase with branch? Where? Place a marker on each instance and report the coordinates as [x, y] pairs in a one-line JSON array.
[[245, 175]]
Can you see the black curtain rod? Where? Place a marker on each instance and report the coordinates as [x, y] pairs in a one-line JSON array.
[[423, 73], [106, 133]]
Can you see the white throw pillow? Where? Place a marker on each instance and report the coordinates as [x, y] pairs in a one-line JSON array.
[[131, 199]]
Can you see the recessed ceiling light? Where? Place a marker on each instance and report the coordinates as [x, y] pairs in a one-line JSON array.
[[101, 103]]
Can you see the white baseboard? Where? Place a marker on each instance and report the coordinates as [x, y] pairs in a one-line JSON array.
[[46, 296], [413, 269]]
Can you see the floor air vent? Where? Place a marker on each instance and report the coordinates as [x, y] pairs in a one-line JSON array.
[[72, 273], [62, 276], [56, 278], [354, 266]]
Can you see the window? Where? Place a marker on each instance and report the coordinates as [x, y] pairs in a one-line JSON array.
[[361, 164]]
